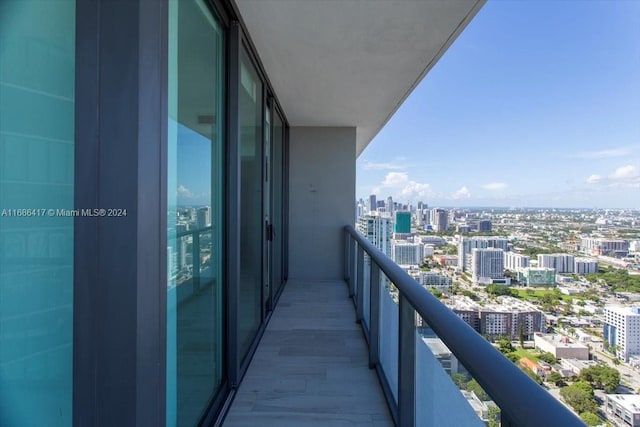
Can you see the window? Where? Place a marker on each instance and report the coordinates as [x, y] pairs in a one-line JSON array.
[[195, 300], [37, 106]]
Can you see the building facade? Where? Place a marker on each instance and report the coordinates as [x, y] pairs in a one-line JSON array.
[[515, 262], [537, 276], [120, 305], [404, 253], [377, 228], [562, 263], [487, 264], [402, 222], [621, 330]]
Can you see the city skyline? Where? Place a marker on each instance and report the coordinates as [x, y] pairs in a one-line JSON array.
[[536, 104]]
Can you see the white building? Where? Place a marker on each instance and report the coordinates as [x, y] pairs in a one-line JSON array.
[[624, 409], [467, 244], [487, 264], [377, 228], [585, 266], [515, 262], [404, 253], [563, 263], [602, 246], [622, 330], [436, 280], [561, 347]]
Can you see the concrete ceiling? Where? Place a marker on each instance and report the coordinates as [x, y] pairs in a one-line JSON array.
[[350, 62]]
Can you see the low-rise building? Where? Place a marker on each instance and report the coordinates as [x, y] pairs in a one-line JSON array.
[[561, 347], [576, 365], [537, 276], [623, 409], [509, 318], [446, 260], [434, 279]]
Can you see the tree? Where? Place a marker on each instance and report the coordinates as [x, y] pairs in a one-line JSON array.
[[556, 378], [513, 357], [460, 380], [577, 395], [477, 389], [549, 358], [590, 419], [601, 377], [493, 416], [505, 346]]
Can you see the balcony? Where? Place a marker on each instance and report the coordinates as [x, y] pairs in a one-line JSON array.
[[316, 366]]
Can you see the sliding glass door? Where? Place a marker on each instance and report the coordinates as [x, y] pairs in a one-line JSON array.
[[195, 222]]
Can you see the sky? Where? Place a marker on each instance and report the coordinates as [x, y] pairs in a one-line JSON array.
[[536, 104]]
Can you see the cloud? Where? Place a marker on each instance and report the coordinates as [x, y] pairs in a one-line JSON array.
[[628, 172], [604, 154], [495, 186], [627, 176], [185, 192], [594, 179], [462, 193], [367, 165], [399, 185]]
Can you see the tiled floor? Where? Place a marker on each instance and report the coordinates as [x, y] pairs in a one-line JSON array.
[[311, 367]]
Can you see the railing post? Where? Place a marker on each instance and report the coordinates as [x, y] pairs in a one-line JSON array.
[[360, 285], [374, 316], [346, 246], [406, 364], [505, 421], [195, 254], [352, 267]]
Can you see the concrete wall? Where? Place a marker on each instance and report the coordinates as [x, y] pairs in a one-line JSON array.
[[322, 182]]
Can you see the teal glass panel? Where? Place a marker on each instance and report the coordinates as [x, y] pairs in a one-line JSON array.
[[251, 226], [195, 299], [37, 77]]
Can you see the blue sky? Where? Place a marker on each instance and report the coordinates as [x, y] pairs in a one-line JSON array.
[[537, 103]]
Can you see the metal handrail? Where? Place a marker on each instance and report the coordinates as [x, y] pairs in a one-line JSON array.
[[520, 398]]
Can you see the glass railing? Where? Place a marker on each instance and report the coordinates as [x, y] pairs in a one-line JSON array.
[[433, 367], [190, 266]]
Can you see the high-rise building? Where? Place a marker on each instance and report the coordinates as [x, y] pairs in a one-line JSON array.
[[439, 219], [515, 262], [484, 226], [621, 330], [390, 206], [204, 217], [467, 244], [487, 264], [585, 265], [403, 222], [377, 229], [562, 263], [373, 204], [404, 253]]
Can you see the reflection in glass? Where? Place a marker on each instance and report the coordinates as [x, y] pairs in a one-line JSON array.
[[195, 202], [389, 323], [250, 313], [445, 391], [37, 104]]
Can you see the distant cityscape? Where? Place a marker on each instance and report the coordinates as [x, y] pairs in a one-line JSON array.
[[190, 245], [556, 290]]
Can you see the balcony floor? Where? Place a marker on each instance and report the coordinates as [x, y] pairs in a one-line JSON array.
[[311, 367]]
